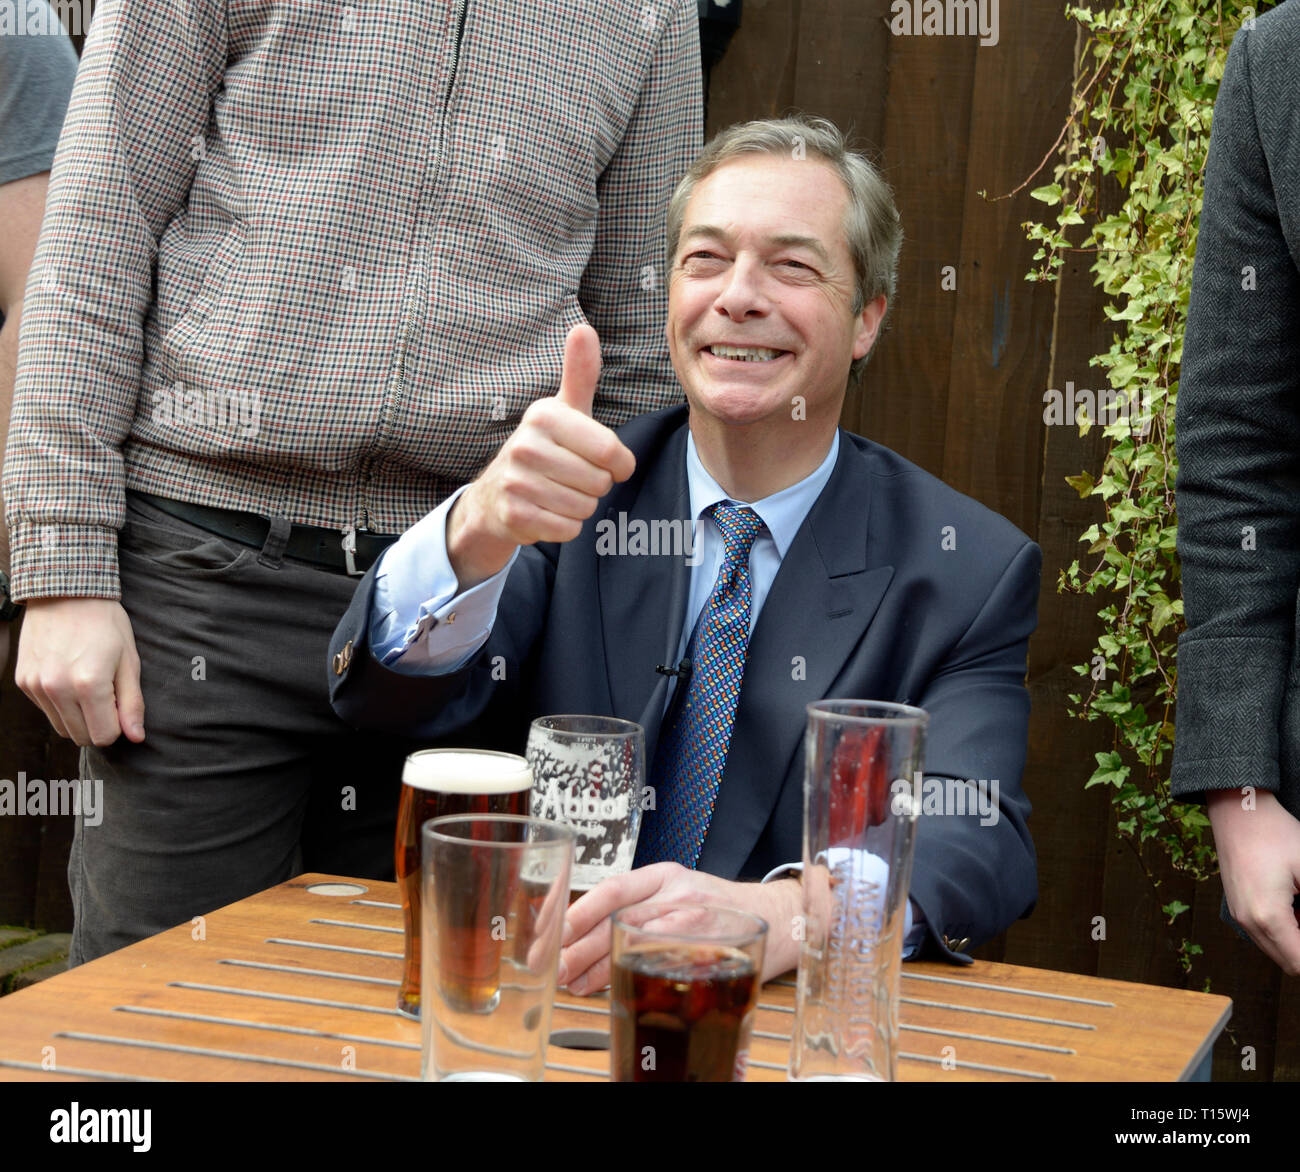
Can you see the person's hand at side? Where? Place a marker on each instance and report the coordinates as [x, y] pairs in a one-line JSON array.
[[547, 478], [584, 958], [78, 663], [1259, 857]]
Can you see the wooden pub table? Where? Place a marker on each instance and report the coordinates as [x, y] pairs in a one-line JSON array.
[[299, 983]]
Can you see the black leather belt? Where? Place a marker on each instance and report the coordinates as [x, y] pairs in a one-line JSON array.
[[349, 552]]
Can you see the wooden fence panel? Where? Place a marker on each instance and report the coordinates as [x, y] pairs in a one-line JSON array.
[[925, 154]]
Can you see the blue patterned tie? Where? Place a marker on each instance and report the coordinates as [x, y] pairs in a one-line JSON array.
[[690, 760]]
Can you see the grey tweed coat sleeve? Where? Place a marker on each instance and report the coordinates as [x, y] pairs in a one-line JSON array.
[[1238, 435]]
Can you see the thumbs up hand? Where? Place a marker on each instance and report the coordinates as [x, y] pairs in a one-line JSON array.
[[548, 476]]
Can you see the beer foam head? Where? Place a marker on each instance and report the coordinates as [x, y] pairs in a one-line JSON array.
[[467, 771]]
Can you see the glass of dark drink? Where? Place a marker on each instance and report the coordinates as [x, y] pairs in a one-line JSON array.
[[437, 783], [683, 989], [493, 899]]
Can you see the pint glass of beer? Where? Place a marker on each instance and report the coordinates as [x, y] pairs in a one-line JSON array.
[[859, 832], [437, 783], [683, 988], [493, 901], [589, 774]]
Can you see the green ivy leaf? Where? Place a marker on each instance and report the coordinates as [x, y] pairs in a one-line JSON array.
[[1110, 771], [1162, 613], [1082, 484]]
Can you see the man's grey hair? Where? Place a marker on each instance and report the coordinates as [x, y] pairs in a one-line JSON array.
[[871, 224]]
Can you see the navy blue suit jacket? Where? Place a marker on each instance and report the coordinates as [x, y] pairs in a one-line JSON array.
[[868, 604]]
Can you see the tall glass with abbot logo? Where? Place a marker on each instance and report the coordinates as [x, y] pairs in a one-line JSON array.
[[859, 835], [589, 775], [437, 783]]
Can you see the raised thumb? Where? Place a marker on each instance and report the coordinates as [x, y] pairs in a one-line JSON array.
[[581, 368]]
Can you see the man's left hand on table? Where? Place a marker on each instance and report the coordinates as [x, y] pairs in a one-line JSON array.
[[585, 960]]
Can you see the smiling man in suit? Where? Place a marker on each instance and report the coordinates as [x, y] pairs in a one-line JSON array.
[[815, 564]]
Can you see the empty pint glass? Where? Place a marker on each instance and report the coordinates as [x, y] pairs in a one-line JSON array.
[[589, 774], [859, 833], [437, 783], [495, 892]]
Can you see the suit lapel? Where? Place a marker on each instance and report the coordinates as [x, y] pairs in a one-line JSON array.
[[819, 607], [643, 594]]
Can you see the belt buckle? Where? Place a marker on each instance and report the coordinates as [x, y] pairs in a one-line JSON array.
[[349, 552]]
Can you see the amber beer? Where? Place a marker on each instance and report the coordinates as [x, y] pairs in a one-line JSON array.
[[438, 782], [682, 1014], [576, 893]]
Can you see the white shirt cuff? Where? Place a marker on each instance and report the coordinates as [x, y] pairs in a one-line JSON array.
[[419, 624], [913, 924]]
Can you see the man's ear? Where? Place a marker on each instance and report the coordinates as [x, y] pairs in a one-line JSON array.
[[873, 313]]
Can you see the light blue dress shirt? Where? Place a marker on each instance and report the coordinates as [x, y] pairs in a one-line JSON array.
[[420, 625]]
